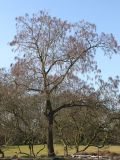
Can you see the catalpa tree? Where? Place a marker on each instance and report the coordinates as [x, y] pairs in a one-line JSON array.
[[52, 55]]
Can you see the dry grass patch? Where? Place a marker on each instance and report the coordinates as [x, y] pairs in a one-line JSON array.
[[12, 150]]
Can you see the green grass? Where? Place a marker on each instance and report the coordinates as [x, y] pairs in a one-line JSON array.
[[11, 150]]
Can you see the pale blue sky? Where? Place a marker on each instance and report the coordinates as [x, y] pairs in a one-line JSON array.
[[104, 13]]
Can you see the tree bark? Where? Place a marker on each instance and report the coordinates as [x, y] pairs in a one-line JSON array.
[[50, 137], [2, 153], [77, 148], [49, 115], [65, 150]]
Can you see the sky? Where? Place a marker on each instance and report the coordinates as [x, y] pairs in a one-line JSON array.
[[104, 13]]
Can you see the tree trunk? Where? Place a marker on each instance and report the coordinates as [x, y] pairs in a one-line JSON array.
[[50, 137], [49, 115], [77, 148], [65, 150], [2, 153], [30, 149]]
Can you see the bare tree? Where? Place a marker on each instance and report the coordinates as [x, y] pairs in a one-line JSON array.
[[52, 52]]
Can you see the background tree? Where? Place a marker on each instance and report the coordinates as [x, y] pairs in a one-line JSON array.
[[20, 116]]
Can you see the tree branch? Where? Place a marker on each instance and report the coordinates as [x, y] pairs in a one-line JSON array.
[[71, 104], [71, 65]]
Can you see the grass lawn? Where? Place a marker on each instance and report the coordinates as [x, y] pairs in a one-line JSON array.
[[11, 150]]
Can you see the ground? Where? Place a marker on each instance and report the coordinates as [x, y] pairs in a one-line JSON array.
[[11, 150]]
